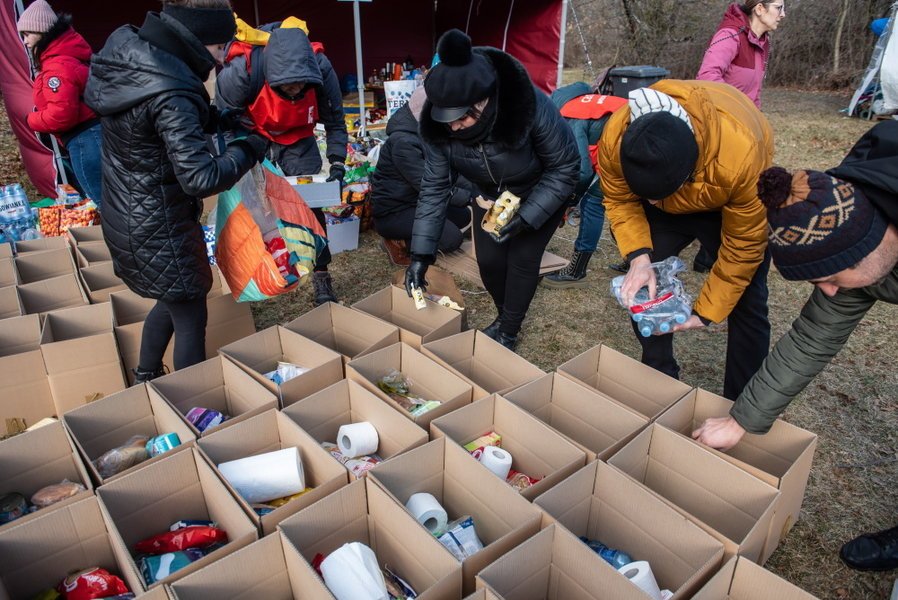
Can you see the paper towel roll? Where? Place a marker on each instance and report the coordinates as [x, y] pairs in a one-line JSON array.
[[496, 460], [351, 572], [266, 476], [428, 512], [357, 439], [640, 573]]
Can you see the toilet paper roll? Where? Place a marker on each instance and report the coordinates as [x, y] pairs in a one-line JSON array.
[[428, 512], [496, 460], [351, 572], [266, 476], [357, 439], [640, 573]]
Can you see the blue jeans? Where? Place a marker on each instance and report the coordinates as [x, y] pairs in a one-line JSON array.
[[592, 217], [84, 151]]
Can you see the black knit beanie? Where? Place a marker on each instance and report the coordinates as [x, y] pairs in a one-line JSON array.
[[460, 80], [658, 154], [817, 225], [209, 25]]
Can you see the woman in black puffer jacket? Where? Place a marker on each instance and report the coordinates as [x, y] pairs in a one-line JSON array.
[[485, 120], [147, 86]]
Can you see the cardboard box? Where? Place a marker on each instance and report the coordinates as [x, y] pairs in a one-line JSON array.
[[8, 274], [781, 458], [100, 281], [316, 195], [440, 282], [56, 293], [733, 506], [269, 432], [594, 422], [129, 311], [41, 244], [416, 327], [428, 380], [741, 579], [37, 266], [92, 253], [483, 362], [25, 395], [38, 554], [450, 474], [536, 449], [260, 353], [346, 331], [81, 356], [79, 236], [363, 512], [269, 569], [108, 423], [463, 262], [322, 414], [6, 250], [483, 594], [633, 384], [601, 503], [180, 486], [36, 459], [217, 384], [10, 303], [228, 319], [555, 565]]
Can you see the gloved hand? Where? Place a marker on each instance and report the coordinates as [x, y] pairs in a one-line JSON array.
[[337, 173], [414, 274], [514, 227], [222, 120], [256, 144]]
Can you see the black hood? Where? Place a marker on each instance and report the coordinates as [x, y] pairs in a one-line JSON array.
[[872, 165], [289, 58], [402, 120]]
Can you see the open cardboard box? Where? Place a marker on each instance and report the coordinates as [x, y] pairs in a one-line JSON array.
[[79, 236], [8, 274], [346, 331], [555, 565], [228, 319], [81, 355], [180, 486], [47, 295], [92, 253], [36, 459], [260, 353], [216, 384], [10, 302], [37, 266], [629, 382], [483, 594], [323, 413], [6, 250], [427, 380], [741, 579], [599, 502], [41, 244], [463, 262], [108, 423], [129, 311], [537, 450], [502, 519], [269, 432], [730, 504], [363, 512], [483, 362], [439, 283], [595, 423], [100, 281], [416, 327], [781, 458], [40, 553], [25, 396], [268, 569]]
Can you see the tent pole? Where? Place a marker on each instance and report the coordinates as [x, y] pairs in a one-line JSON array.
[[256, 11], [561, 43], [360, 71]]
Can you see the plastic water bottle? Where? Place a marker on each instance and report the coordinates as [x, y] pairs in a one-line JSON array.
[[615, 558], [671, 305]]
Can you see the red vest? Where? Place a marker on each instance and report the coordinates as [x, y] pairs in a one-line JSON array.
[[284, 121], [591, 106]]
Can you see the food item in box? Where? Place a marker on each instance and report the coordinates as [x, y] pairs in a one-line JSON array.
[[204, 418], [123, 457], [162, 444], [91, 583], [158, 567], [490, 438], [357, 466], [520, 481], [54, 221], [12, 506], [398, 387], [194, 536], [57, 492]]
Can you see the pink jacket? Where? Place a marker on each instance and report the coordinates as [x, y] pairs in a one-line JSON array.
[[736, 55]]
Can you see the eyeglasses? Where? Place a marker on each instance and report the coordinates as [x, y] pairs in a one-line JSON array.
[[780, 8]]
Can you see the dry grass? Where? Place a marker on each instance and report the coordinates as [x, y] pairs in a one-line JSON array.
[[850, 406]]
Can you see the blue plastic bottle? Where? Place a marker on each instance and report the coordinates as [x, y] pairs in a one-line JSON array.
[[615, 558]]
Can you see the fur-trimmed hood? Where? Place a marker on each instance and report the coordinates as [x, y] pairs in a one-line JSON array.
[[61, 39], [516, 109]]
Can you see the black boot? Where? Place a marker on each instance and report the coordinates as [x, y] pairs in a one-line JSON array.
[[703, 261], [872, 551], [572, 276], [493, 328], [324, 288], [142, 376], [506, 339], [621, 267]]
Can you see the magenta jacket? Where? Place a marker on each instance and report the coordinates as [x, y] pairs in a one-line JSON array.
[[736, 55]]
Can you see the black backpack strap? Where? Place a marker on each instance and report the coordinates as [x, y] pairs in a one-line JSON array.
[[256, 72]]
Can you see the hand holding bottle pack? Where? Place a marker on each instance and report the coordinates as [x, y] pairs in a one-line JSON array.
[[670, 306]]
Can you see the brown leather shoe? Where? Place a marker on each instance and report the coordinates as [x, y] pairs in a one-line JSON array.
[[397, 251]]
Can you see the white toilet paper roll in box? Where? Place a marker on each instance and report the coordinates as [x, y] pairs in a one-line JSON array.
[[351, 572], [496, 460], [640, 574], [428, 512], [266, 476], [357, 439]]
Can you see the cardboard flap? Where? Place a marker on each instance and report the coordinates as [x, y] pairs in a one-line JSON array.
[[345, 330], [85, 235], [52, 294], [11, 304], [741, 579], [100, 281], [393, 305], [128, 307], [41, 244], [19, 335], [8, 274], [75, 323], [37, 266]]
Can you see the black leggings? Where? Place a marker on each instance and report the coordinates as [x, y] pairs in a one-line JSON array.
[[186, 321], [398, 226], [510, 271]]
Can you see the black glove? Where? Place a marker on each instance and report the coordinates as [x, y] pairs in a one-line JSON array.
[[414, 274], [337, 173], [512, 228], [255, 144]]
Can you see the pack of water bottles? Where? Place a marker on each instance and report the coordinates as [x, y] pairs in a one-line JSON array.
[[18, 221], [671, 305]]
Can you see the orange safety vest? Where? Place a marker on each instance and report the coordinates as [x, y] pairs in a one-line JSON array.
[[592, 106]]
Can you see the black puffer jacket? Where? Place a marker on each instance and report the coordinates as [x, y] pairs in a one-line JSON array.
[[529, 151], [396, 182], [147, 85]]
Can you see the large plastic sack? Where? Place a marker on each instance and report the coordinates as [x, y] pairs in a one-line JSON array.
[[267, 238]]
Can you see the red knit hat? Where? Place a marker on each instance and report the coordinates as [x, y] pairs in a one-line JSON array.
[[37, 18]]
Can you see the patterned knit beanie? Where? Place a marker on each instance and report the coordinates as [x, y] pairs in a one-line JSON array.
[[817, 225], [37, 18]]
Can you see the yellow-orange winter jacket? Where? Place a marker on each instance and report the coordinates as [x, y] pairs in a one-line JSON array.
[[735, 144]]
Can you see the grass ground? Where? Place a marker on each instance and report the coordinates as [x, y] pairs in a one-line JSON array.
[[851, 405]]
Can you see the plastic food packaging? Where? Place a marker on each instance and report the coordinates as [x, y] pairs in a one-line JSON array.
[[671, 305], [204, 418], [57, 492], [285, 372], [91, 583], [521, 481], [162, 444], [461, 538], [123, 457], [279, 502], [357, 466], [191, 523], [398, 387], [498, 213], [12, 506], [397, 587], [490, 438], [195, 536], [615, 558], [155, 568]]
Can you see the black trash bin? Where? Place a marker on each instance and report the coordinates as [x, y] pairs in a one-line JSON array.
[[626, 79]]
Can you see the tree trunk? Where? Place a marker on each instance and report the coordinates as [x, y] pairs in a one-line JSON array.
[[837, 44]]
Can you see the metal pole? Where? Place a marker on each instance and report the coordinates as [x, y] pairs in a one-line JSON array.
[[561, 43], [256, 11], [360, 71]]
